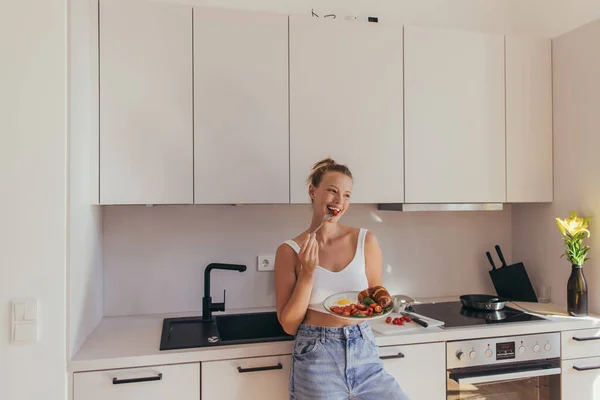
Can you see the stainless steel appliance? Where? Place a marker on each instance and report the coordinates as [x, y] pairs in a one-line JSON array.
[[523, 367]]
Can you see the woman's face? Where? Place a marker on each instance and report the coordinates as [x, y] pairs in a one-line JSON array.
[[332, 193]]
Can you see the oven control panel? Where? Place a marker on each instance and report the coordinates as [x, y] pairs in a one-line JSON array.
[[495, 350]]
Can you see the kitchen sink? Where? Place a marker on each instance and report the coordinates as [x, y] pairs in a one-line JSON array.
[[250, 327], [222, 330]]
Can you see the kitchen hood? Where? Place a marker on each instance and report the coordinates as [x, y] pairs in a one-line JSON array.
[[440, 207]]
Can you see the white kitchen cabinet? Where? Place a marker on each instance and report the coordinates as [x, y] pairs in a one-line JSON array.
[[580, 343], [146, 138], [178, 381], [580, 379], [346, 102], [420, 369], [528, 119], [241, 125], [247, 378], [454, 116]]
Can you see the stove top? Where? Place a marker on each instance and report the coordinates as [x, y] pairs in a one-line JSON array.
[[454, 314]]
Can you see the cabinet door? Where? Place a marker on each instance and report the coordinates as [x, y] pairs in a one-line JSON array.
[[241, 129], [580, 379], [181, 382], [528, 119], [346, 102], [146, 150], [454, 116], [247, 378], [420, 369], [580, 343]]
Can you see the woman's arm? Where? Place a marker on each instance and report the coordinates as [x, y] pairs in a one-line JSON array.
[[373, 260], [293, 292]]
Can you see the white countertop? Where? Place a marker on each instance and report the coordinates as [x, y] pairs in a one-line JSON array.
[[132, 341]]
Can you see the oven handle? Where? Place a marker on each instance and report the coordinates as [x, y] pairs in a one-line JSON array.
[[508, 376]]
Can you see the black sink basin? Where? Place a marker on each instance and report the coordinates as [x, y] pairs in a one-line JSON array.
[[189, 332], [249, 328]]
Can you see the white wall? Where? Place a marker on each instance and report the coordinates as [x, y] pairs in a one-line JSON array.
[[576, 62], [85, 219], [33, 168], [154, 257], [546, 18]]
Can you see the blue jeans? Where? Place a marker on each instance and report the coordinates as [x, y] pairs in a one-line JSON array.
[[339, 364]]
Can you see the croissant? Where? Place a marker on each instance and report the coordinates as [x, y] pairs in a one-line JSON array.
[[377, 293]]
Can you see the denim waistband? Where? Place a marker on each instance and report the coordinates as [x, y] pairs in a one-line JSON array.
[[347, 332]]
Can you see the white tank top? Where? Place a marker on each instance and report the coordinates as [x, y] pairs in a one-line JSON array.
[[326, 283]]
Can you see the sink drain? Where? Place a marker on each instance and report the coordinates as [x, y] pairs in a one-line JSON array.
[[213, 339]]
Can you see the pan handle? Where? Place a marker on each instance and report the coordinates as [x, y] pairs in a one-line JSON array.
[[500, 255]]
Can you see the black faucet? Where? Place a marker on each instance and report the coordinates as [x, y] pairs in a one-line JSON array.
[[207, 305]]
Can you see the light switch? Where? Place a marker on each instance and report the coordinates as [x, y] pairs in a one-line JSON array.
[[25, 332], [24, 321]]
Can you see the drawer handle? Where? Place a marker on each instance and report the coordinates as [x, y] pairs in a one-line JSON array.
[[583, 339], [257, 369], [576, 368], [399, 355], [116, 381]]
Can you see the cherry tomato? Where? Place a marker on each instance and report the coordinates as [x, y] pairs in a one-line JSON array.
[[361, 307], [373, 305], [388, 320], [346, 313], [378, 309]]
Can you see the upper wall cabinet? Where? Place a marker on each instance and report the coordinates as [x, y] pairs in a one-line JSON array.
[[454, 116], [528, 120], [146, 138], [241, 128], [346, 102]]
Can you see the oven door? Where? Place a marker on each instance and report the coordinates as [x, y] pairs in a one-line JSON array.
[[530, 380]]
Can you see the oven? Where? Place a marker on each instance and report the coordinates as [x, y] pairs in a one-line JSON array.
[[523, 367]]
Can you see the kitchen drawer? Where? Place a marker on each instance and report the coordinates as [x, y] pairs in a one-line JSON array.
[[420, 369], [580, 379], [580, 343], [179, 381], [247, 378]]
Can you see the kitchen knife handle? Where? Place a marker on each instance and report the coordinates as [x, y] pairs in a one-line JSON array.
[[500, 255], [489, 256]]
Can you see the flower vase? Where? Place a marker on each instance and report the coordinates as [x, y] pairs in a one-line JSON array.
[[577, 301]]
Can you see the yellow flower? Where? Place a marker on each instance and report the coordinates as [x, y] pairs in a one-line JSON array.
[[573, 225]]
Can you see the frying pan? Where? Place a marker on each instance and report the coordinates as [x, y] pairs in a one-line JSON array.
[[483, 302]]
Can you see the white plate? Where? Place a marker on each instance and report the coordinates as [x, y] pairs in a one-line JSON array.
[[353, 297]]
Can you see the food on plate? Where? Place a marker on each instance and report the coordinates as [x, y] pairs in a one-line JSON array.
[[366, 306], [377, 293]]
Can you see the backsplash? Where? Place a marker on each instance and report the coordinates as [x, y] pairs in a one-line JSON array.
[[154, 257]]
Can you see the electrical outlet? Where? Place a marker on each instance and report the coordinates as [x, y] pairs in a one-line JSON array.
[[266, 263]]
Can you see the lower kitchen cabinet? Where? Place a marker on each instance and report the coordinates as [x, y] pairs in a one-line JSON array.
[[580, 379], [247, 378], [178, 381], [420, 369]]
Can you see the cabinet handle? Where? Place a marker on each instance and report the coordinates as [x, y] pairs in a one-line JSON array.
[[399, 355], [256, 369], [576, 368], [116, 381], [583, 339]]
